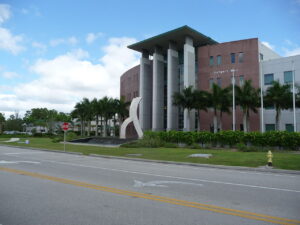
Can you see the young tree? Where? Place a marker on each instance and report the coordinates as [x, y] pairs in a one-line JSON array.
[[279, 96], [247, 97]]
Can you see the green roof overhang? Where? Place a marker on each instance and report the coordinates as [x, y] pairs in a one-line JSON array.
[[177, 36]]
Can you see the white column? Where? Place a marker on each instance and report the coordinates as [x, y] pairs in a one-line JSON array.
[[189, 80], [145, 92], [158, 91], [172, 87]]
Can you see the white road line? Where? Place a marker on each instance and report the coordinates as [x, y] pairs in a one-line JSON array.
[[266, 173], [21, 153], [172, 177]]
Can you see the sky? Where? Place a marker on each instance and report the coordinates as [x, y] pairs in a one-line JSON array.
[[53, 53]]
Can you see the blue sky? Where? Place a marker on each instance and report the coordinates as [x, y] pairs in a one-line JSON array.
[[55, 52]]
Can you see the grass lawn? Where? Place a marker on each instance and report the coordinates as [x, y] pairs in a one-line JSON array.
[[281, 160]]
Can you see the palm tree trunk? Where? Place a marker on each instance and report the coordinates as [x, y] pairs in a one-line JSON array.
[[97, 123], [114, 121], [105, 127], [89, 128], [215, 122], [277, 119], [245, 122], [81, 127], [220, 121], [101, 125], [198, 120]]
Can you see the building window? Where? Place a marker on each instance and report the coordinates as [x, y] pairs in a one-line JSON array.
[[270, 127], [241, 80], [269, 78], [288, 77], [241, 57], [261, 57], [211, 81], [232, 56], [219, 82], [211, 61], [219, 60], [289, 127]]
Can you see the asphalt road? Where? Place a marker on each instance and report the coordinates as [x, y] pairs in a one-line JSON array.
[[48, 188]]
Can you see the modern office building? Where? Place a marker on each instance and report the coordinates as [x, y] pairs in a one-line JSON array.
[[184, 57]]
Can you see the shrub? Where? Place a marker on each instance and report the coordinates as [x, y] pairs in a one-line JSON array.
[[257, 140]]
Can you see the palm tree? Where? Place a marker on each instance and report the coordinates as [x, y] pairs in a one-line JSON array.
[[219, 100], [122, 110], [200, 103], [279, 96], [89, 113], [225, 103], [186, 100], [107, 112], [96, 107], [247, 97], [2, 120], [79, 112]]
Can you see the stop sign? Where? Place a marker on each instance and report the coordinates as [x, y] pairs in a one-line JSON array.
[[65, 126]]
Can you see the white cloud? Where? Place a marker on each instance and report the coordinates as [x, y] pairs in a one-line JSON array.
[[292, 49], [91, 37], [268, 45], [70, 41], [10, 42], [292, 52], [41, 48], [10, 75], [66, 79], [4, 13]]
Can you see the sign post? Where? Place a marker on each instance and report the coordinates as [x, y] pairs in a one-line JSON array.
[[65, 127]]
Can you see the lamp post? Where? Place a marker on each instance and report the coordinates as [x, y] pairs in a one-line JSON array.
[[294, 97], [261, 98], [233, 99]]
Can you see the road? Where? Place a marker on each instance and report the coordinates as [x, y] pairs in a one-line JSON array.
[[48, 188]]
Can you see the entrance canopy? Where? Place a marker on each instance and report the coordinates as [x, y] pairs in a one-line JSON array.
[[177, 36]]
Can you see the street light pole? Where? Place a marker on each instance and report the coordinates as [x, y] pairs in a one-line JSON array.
[[294, 97], [233, 100]]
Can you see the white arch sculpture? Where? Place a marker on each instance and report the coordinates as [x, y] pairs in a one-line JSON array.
[[132, 118]]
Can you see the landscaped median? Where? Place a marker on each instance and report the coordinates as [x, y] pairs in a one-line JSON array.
[[229, 157]]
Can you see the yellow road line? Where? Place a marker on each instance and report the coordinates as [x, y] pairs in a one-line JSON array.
[[218, 209]]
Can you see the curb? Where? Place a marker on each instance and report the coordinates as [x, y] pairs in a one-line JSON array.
[[257, 169]]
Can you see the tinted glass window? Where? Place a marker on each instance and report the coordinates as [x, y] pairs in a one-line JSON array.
[[211, 61], [288, 77], [232, 56], [270, 127], [269, 78], [241, 57], [219, 60]]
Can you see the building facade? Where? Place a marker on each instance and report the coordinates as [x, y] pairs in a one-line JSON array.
[[184, 57]]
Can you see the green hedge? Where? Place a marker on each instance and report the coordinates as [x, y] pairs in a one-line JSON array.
[[281, 139]]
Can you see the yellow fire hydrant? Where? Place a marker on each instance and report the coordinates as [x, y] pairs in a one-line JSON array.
[[270, 156]]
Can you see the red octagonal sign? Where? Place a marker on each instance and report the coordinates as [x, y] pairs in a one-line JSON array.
[[65, 126]]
